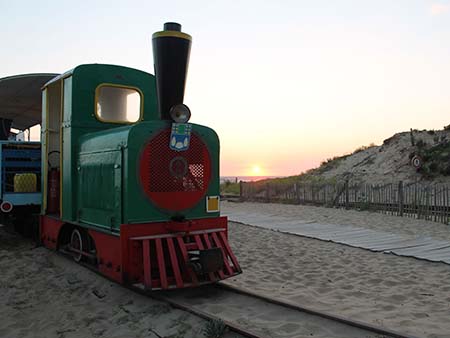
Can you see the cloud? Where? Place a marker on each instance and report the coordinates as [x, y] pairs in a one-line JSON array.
[[438, 9]]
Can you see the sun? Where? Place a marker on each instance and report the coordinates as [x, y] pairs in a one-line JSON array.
[[256, 170]]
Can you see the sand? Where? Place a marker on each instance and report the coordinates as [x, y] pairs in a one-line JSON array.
[[400, 293], [46, 295]]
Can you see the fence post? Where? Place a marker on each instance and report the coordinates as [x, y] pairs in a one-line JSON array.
[[447, 214], [347, 197], [434, 207], [400, 198], [240, 189], [416, 208]]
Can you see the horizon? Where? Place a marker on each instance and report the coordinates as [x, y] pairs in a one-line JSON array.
[[285, 89]]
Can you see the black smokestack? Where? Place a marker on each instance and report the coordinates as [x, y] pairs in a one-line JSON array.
[[171, 49]]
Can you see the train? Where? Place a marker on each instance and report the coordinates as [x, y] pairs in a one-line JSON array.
[[20, 158], [129, 186]]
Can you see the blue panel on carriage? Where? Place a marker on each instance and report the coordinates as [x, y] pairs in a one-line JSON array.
[[19, 157], [27, 198]]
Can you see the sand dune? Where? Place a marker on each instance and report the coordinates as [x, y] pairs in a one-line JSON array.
[[386, 163]]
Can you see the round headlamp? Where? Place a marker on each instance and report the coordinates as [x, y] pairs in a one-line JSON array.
[[180, 113]]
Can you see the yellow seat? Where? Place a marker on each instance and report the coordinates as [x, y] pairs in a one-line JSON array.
[[25, 182]]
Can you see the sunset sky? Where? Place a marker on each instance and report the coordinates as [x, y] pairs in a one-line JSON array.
[[286, 84]]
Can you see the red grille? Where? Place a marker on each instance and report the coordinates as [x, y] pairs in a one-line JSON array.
[[175, 180]]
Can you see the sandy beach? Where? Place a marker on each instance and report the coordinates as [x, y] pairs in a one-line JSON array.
[[46, 295], [401, 293]]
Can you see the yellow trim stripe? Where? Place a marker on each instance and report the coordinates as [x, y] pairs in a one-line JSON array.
[[172, 34]]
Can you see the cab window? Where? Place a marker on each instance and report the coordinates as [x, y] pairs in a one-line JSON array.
[[118, 104]]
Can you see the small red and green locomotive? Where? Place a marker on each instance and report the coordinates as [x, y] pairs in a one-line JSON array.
[[130, 186]]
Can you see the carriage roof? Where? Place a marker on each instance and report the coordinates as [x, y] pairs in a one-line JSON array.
[[21, 97]]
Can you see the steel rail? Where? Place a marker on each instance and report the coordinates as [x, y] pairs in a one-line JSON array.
[[202, 314], [157, 296], [323, 314]]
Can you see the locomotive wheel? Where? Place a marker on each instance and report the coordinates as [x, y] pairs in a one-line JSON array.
[[76, 242]]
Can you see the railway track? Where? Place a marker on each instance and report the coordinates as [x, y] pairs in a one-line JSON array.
[[253, 315]]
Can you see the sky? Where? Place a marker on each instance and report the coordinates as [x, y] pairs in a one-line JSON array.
[[285, 84]]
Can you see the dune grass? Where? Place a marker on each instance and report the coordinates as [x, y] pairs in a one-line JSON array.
[[229, 188]]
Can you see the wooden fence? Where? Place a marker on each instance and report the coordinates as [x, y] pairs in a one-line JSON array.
[[429, 202]]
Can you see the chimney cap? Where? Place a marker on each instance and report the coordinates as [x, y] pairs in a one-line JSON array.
[[172, 26]]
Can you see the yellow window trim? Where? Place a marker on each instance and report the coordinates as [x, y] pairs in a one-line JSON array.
[[141, 111]]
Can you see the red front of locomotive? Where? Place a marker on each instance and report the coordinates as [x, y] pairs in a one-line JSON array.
[[190, 246]]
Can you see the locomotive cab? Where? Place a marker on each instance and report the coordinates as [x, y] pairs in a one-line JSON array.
[[130, 185], [72, 108]]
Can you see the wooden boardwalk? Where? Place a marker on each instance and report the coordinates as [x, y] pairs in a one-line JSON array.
[[402, 245]]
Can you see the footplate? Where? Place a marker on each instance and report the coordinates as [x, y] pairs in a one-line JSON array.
[[185, 259]]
